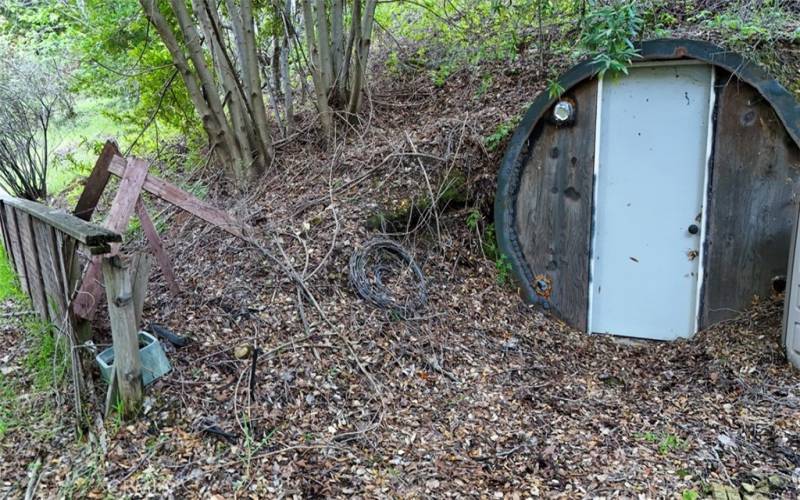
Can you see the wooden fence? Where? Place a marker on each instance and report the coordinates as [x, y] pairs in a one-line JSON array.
[[43, 246]]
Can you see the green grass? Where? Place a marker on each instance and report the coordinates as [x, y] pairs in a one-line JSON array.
[[74, 143], [47, 360], [9, 290], [9, 286], [8, 398], [45, 363], [77, 141], [43, 368]]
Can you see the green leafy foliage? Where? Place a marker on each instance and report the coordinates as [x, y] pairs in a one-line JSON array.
[[116, 57], [608, 34], [486, 84], [490, 249], [666, 442], [690, 495], [498, 137], [464, 33], [473, 218], [554, 89], [503, 267], [490, 243], [757, 32], [442, 73], [131, 66]]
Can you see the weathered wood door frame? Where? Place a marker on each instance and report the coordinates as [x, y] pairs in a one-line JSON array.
[[704, 189]]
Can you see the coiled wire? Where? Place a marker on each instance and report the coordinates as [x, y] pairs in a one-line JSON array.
[[382, 263]]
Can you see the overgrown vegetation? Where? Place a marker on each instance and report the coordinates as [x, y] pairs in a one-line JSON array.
[[501, 133], [488, 242]]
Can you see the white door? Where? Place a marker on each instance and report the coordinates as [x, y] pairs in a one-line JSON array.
[[653, 145], [791, 320]]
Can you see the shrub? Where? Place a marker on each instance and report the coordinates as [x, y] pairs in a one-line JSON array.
[[31, 92]]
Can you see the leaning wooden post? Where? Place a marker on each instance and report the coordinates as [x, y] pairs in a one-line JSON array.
[[127, 363]]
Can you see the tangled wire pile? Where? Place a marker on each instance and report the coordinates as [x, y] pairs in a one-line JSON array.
[[385, 273]]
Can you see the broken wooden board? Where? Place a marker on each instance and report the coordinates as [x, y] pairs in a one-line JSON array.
[[54, 287], [96, 183], [119, 217], [127, 201], [185, 201], [154, 240], [89, 235]]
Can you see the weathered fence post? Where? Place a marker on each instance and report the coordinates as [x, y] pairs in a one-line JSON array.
[[124, 331]]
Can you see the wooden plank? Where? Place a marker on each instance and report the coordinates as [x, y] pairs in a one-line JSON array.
[[71, 275], [142, 264], [553, 213], [158, 249], [181, 199], [127, 362], [60, 267], [16, 245], [68, 255], [85, 303], [4, 234], [68, 274], [7, 238], [96, 183], [88, 234], [31, 255], [119, 217], [754, 188], [51, 273], [10, 240]]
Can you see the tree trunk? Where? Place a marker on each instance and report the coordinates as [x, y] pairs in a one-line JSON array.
[[288, 98], [325, 58], [320, 89], [192, 41], [244, 31], [338, 42], [211, 122], [359, 75], [250, 138], [355, 29], [230, 85]]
